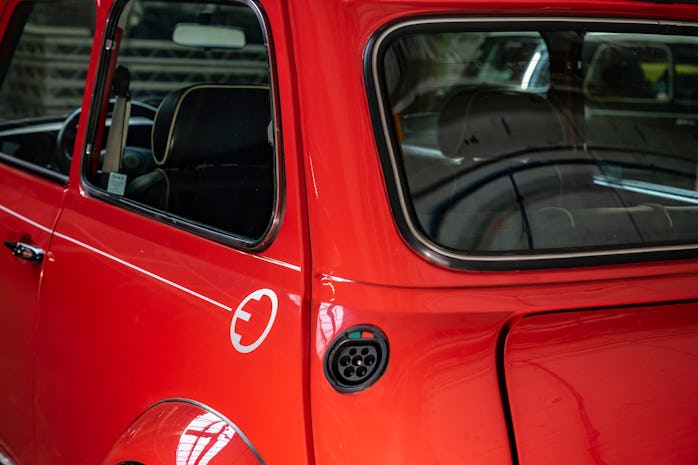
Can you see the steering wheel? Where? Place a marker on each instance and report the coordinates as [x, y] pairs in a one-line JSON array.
[[65, 140]]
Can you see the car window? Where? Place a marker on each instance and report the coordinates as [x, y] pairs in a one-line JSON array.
[[627, 71], [189, 134], [685, 61], [45, 55], [513, 144]]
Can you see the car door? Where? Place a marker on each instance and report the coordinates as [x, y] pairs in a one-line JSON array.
[[178, 273], [32, 186]]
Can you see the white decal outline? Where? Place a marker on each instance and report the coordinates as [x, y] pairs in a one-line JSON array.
[[25, 219], [241, 314]]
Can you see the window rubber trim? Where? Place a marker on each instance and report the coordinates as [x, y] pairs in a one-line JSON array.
[[396, 183], [42, 172], [209, 232]]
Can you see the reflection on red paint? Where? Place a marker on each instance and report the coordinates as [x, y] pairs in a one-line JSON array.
[[330, 319], [203, 439]]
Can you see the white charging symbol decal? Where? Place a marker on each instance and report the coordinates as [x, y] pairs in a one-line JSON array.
[[242, 314]]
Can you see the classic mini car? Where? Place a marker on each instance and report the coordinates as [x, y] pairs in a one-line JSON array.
[[348, 232]]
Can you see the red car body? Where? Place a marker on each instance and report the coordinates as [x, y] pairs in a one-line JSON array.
[[133, 338]]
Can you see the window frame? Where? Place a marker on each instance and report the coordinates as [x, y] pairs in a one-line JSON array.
[[389, 150], [209, 232], [8, 46]]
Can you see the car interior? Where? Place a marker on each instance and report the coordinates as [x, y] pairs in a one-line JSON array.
[[598, 150], [185, 126]]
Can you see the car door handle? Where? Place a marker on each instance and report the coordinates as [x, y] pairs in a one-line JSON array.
[[24, 251]]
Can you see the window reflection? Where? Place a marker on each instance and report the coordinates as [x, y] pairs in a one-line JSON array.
[[548, 140]]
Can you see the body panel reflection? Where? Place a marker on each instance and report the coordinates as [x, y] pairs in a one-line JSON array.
[[183, 432]]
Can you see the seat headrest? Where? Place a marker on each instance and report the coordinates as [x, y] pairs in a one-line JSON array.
[[491, 122], [210, 122], [616, 73]]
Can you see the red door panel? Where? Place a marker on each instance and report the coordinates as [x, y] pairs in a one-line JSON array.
[[138, 312], [28, 209], [617, 386]]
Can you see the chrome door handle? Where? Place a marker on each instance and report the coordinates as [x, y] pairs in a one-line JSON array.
[[24, 251]]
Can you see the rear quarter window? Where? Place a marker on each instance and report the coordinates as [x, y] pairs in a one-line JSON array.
[[526, 144]]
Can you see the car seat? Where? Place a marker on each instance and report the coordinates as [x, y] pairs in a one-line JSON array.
[[214, 159], [490, 122]]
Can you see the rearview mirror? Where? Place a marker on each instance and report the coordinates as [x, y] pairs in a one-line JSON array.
[[208, 36]]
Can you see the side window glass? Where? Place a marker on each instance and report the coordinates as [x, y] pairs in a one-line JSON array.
[[620, 72], [189, 133], [686, 73], [43, 64], [530, 144]]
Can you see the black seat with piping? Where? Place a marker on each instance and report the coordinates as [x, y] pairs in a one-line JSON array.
[[215, 162], [619, 76], [489, 122], [481, 125]]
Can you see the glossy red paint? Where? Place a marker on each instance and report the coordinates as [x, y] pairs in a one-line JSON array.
[[197, 436], [440, 398], [27, 214], [165, 289], [132, 311], [583, 385]]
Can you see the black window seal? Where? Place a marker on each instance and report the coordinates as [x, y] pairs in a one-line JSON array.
[[42, 172], [388, 146], [209, 232]]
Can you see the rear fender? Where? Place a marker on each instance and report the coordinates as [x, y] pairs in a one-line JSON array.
[[182, 432], [4, 459]]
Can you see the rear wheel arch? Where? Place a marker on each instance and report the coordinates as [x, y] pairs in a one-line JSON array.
[[182, 432]]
